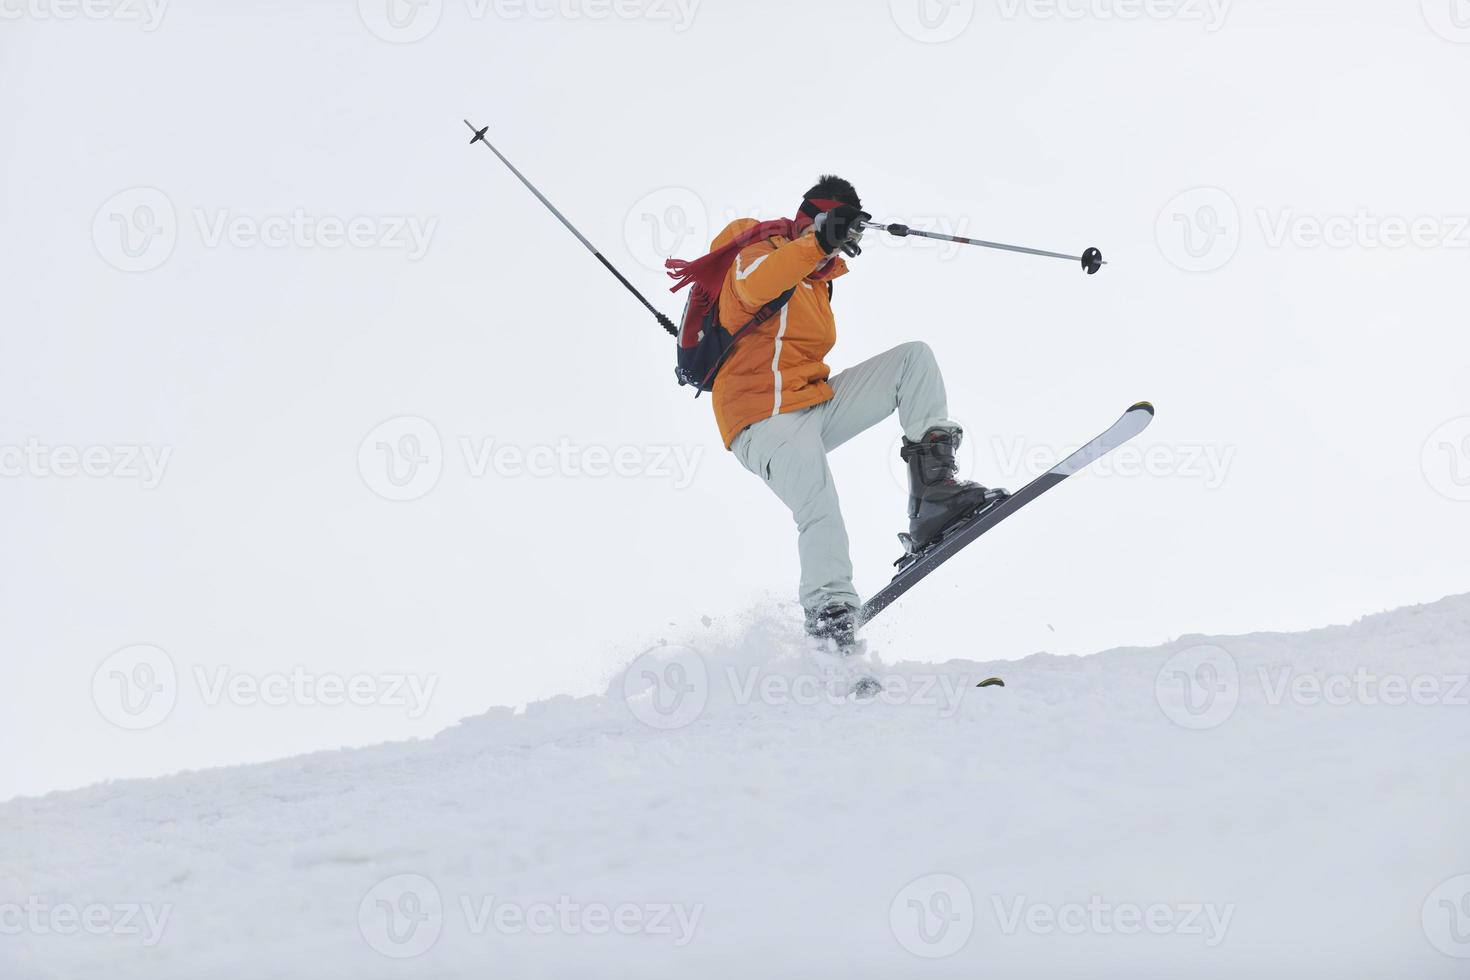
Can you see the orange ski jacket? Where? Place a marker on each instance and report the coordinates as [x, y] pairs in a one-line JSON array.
[[779, 366]]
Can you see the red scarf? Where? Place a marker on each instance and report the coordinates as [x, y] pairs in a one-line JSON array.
[[707, 273]]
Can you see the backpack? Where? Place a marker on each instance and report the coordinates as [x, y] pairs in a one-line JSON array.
[[703, 344]]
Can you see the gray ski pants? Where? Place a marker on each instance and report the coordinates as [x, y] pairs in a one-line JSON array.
[[789, 452]]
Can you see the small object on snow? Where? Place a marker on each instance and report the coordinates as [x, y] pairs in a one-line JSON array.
[[867, 687], [991, 682], [705, 620]]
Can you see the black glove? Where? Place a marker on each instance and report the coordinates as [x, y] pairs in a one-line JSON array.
[[842, 227]]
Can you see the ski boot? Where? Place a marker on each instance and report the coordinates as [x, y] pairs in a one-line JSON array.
[[937, 500], [836, 622]]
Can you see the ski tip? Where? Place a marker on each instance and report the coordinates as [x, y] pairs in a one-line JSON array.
[[1143, 407], [992, 682]]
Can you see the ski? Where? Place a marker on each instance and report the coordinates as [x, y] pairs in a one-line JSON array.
[[913, 569]]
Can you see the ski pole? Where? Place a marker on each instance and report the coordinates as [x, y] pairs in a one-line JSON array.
[[1091, 259], [479, 137]]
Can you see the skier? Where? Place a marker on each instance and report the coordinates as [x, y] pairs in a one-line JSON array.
[[780, 410]]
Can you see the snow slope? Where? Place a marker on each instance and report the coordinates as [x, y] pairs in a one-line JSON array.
[[1201, 809]]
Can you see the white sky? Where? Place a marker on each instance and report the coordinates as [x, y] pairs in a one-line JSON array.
[[1310, 461]]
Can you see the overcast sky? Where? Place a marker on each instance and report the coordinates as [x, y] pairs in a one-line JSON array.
[[296, 385]]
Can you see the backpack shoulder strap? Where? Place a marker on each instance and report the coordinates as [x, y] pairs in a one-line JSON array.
[[761, 316]]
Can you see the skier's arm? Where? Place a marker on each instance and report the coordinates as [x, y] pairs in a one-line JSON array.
[[760, 274]]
